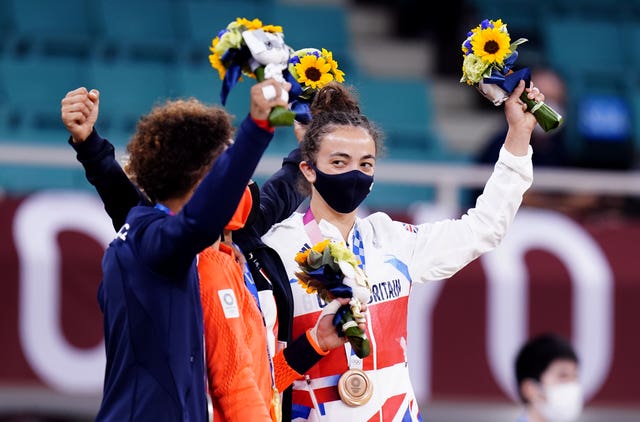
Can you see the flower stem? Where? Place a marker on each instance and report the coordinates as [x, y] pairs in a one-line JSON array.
[[358, 338], [547, 117]]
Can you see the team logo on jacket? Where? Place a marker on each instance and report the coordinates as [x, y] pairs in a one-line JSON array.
[[122, 233], [229, 303]]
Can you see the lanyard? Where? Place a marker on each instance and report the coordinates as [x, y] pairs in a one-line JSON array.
[[251, 286], [314, 233], [163, 208], [250, 283]]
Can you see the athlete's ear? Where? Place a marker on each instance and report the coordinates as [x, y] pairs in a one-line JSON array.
[[307, 171]]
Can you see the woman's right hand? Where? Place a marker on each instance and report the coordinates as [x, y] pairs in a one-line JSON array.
[[325, 333], [266, 95], [79, 110]]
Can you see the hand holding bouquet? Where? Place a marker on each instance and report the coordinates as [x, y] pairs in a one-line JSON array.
[[331, 270], [248, 48], [489, 56]]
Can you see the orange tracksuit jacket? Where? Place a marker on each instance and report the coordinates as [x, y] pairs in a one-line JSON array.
[[238, 364]]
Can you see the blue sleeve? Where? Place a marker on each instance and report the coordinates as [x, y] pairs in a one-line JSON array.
[[204, 216], [280, 196], [103, 171]]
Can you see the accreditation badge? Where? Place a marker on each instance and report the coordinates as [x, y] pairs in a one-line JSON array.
[[355, 387]]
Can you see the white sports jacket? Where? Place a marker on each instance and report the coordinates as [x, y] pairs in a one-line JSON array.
[[396, 254]]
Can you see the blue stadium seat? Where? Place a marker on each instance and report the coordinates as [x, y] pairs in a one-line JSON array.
[[6, 25], [51, 28], [595, 9], [525, 16], [33, 89], [591, 55], [635, 109], [404, 109], [330, 23], [127, 91], [317, 26], [203, 20], [201, 82], [146, 30], [578, 45], [632, 46]]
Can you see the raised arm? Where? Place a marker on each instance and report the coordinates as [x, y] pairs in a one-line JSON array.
[[79, 109], [202, 219]]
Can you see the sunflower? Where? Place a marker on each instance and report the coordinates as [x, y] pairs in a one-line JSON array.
[[272, 28], [214, 59], [309, 289], [314, 71], [491, 44], [249, 24], [337, 73], [301, 257]]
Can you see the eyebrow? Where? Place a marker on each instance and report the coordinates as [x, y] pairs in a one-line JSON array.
[[345, 155]]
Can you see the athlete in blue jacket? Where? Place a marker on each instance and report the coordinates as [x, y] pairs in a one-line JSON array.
[[181, 159], [279, 197]]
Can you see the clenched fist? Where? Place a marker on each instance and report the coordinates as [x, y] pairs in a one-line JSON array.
[[80, 112]]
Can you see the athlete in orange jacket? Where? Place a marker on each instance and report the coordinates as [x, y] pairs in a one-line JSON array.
[[245, 378]]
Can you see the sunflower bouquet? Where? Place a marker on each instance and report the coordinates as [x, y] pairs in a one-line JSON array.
[[310, 69], [249, 48], [331, 270], [489, 57]]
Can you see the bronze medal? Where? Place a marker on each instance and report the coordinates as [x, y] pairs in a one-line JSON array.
[[355, 387]]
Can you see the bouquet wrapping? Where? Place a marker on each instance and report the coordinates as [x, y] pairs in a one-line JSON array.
[[249, 48], [331, 270], [489, 57]]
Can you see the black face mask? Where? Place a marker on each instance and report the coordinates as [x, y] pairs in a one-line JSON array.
[[255, 203], [344, 192]]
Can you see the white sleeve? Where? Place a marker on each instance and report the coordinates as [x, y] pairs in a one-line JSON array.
[[444, 247]]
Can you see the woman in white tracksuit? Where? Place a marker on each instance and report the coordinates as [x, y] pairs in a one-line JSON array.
[[339, 153]]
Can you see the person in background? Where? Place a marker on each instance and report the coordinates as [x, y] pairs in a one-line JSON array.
[[339, 151], [547, 380], [550, 149], [182, 158]]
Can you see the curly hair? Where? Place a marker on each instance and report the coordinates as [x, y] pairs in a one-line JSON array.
[[174, 146]]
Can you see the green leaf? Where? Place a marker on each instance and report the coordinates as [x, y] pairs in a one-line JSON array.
[[315, 259]]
